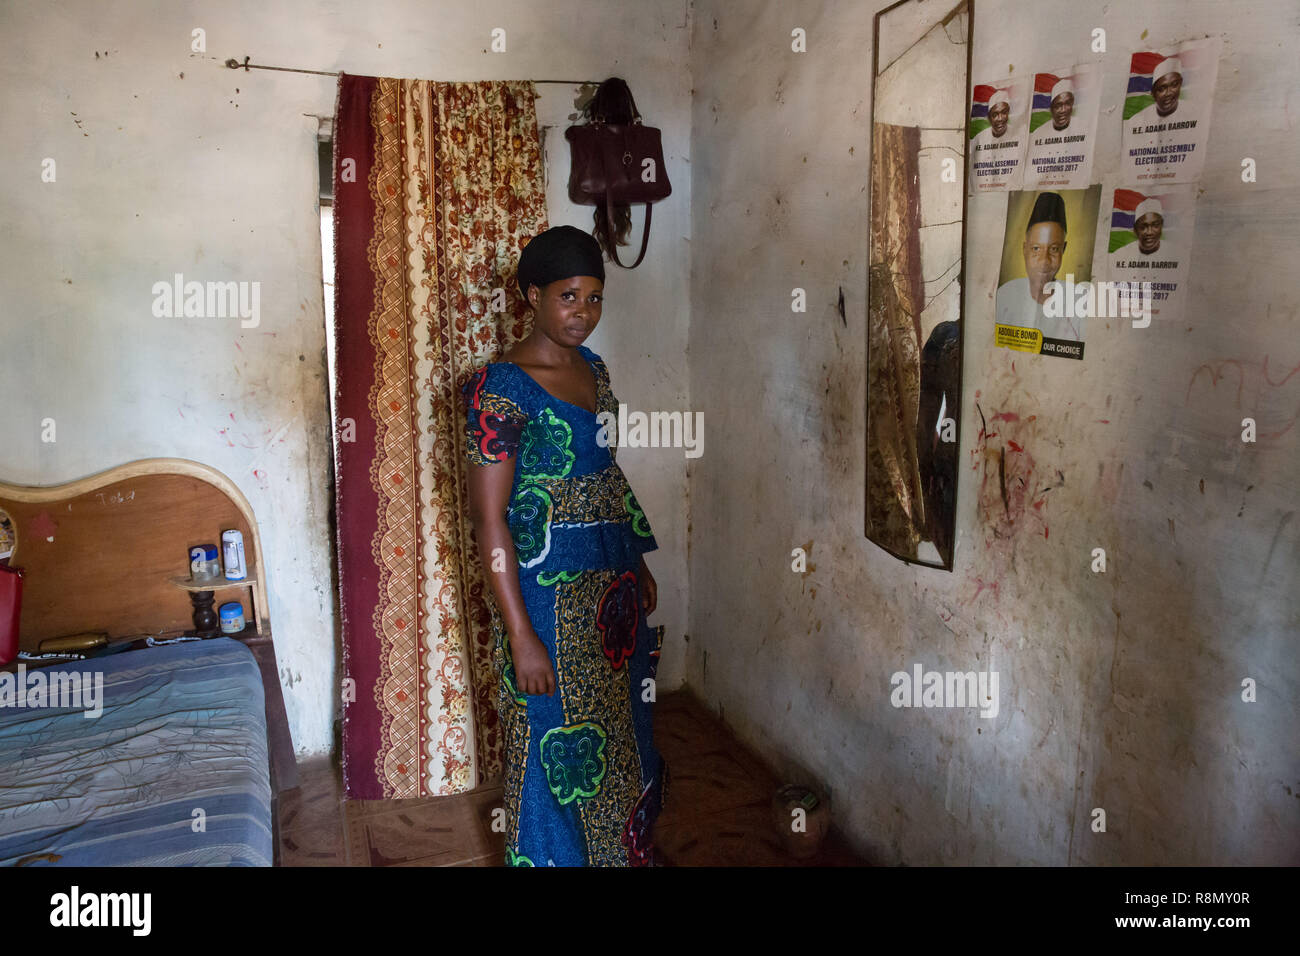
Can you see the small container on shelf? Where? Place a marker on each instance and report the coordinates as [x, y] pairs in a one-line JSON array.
[[232, 546], [232, 618], [205, 565]]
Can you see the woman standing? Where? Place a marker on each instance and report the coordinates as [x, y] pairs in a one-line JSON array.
[[561, 537]]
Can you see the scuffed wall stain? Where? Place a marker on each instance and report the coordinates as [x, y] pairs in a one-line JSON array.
[[1014, 489], [1272, 398], [1110, 479], [580, 100]]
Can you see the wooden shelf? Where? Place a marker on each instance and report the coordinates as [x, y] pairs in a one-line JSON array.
[[187, 583], [253, 619]]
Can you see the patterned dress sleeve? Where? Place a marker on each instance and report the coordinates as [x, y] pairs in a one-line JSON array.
[[494, 422], [606, 403]]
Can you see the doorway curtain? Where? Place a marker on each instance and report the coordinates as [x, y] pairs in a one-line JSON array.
[[437, 186]]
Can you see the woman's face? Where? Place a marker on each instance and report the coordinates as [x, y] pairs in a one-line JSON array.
[[567, 310]]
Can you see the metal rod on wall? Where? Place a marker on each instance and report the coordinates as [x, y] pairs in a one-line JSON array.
[[246, 66]]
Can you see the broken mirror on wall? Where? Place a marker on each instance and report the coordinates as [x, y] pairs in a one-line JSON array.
[[921, 76]]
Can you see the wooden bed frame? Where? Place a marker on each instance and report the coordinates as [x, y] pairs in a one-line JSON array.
[[110, 553]]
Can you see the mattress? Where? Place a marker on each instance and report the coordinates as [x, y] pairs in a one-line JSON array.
[[173, 772]]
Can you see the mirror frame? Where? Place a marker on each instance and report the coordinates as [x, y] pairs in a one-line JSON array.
[[961, 274]]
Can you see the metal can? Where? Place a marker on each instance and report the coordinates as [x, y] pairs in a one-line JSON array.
[[232, 553]]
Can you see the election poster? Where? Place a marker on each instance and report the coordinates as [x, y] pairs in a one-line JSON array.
[[998, 133], [1063, 127], [1044, 297], [1150, 248], [1167, 113]]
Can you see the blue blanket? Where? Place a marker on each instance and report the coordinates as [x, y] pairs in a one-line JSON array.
[[173, 772]]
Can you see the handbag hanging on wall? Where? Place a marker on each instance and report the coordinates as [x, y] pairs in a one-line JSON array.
[[616, 161]]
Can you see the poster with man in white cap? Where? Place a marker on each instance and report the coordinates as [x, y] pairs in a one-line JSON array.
[[1151, 243], [1063, 128], [1167, 113], [1037, 307], [998, 132]]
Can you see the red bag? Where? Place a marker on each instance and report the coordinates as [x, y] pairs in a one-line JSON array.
[[11, 606]]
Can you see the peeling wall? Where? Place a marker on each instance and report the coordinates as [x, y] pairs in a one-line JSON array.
[[168, 162], [1119, 690]]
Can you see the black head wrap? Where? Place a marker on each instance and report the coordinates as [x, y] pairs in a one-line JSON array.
[[1048, 207], [558, 253]]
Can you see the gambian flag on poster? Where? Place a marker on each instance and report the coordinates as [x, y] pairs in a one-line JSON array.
[[1140, 81], [1123, 214], [979, 108], [1196, 62], [1041, 111], [1172, 205]]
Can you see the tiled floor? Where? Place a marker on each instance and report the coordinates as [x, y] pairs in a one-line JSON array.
[[718, 813]]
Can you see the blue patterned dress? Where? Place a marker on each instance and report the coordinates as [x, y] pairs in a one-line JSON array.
[[583, 780]]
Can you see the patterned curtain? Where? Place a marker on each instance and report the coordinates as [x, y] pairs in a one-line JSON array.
[[436, 186]]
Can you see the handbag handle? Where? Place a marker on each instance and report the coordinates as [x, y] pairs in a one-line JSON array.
[[609, 230], [600, 119]]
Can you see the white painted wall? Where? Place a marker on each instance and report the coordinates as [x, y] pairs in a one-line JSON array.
[[213, 175], [1119, 691]]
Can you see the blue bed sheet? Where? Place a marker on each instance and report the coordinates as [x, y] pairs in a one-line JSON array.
[[174, 772]]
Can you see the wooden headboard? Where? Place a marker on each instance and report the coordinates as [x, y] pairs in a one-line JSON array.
[[100, 553]]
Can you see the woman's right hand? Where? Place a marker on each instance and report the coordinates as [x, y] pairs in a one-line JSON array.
[[533, 671]]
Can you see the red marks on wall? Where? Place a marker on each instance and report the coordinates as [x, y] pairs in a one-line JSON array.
[[1271, 397], [1014, 492], [42, 526]]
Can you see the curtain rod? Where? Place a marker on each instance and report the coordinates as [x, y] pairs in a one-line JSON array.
[[246, 66]]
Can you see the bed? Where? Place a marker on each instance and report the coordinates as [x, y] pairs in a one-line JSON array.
[[183, 764]]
